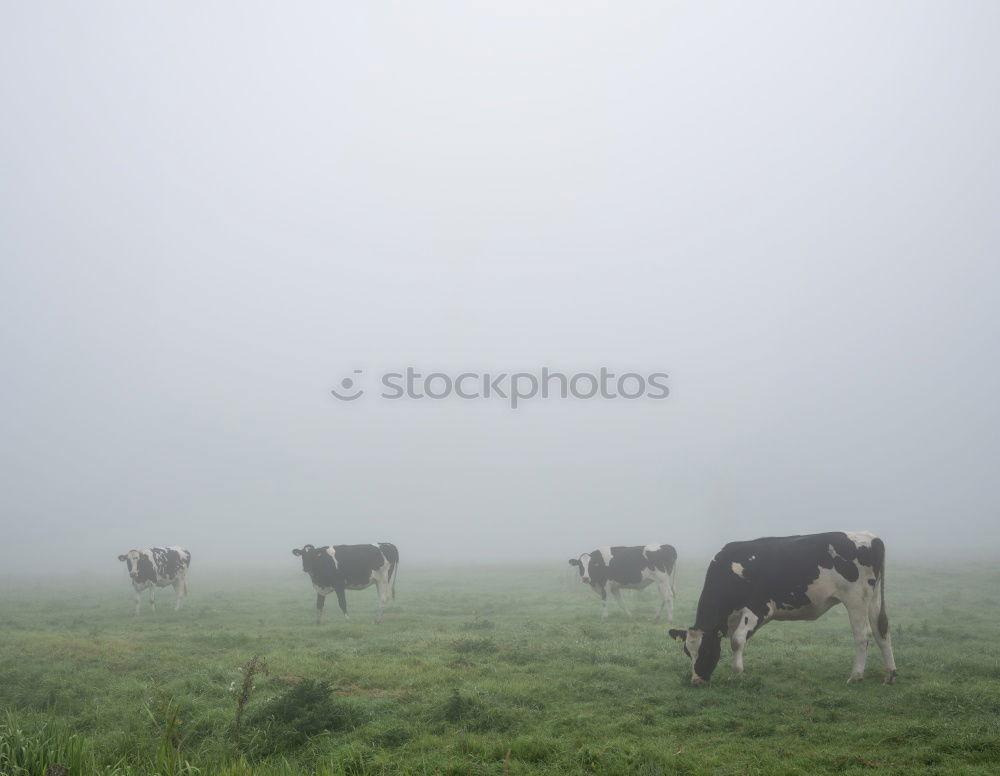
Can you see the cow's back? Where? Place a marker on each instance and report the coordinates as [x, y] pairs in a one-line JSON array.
[[661, 557], [356, 562], [627, 565]]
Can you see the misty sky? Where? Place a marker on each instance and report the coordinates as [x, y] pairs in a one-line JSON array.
[[211, 213]]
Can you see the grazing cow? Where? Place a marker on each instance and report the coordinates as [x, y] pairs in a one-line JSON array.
[[748, 584], [155, 567], [339, 567], [609, 569]]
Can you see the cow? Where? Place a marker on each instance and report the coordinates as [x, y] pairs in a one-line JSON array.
[[609, 569], [750, 583], [339, 567], [154, 567]]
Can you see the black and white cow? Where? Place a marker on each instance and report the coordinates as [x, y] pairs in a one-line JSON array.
[[748, 584], [339, 567], [155, 567], [609, 569]]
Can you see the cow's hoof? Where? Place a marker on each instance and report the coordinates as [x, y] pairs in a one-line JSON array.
[[855, 679], [697, 681], [890, 677]]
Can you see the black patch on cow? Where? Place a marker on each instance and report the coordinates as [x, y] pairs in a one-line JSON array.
[[146, 571], [169, 561], [354, 565], [662, 559]]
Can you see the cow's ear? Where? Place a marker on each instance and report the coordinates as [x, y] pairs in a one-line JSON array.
[[678, 635], [574, 562], [296, 552], [122, 557]]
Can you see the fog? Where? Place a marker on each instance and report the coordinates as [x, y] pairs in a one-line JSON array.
[[212, 214]]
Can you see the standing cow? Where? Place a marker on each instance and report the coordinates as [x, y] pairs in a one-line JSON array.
[[748, 584], [155, 567], [339, 567], [609, 569]]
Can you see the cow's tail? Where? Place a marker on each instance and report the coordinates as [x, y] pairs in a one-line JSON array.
[[883, 618], [673, 571], [392, 555]]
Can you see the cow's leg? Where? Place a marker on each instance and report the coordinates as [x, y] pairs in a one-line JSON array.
[[138, 600], [382, 588], [666, 599], [604, 601], [884, 643], [738, 637], [152, 597], [857, 612], [342, 600], [616, 591], [320, 601], [179, 592]]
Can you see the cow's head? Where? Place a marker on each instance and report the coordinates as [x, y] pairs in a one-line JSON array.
[[703, 647], [308, 554], [131, 559], [592, 568]]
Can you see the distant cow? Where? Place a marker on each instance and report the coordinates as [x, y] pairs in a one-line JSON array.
[[340, 567], [748, 584], [155, 567], [609, 569]]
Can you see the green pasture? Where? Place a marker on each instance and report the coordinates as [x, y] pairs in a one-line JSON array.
[[484, 671]]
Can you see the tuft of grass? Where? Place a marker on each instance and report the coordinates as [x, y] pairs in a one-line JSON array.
[[305, 709]]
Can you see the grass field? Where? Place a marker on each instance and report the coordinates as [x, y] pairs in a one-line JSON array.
[[485, 671]]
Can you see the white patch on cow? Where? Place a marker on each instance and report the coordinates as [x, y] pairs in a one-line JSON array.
[[738, 569], [132, 563], [693, 643], [826, 591], [333, 554], [741, 625], [860, 538], [652, 547]]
